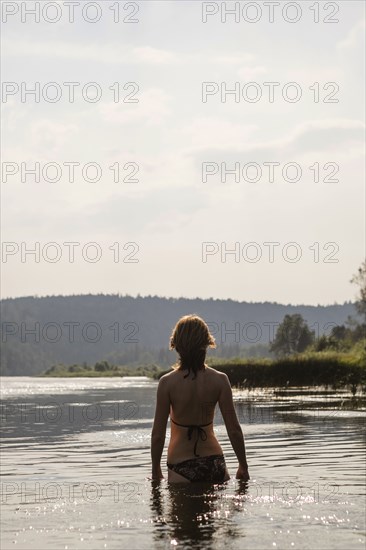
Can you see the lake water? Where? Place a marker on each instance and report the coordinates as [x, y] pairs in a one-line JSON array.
[[76, 455]]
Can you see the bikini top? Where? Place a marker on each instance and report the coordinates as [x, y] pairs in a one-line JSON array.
[[200, 432]]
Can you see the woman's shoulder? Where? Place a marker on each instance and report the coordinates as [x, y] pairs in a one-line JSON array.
[[170, 375], [176, 373], [217, 377], [215, 372], [167, 375]]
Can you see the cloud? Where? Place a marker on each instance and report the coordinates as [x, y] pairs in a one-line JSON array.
[[250, 73], [355, 38], [147, 212], [326, 135], [117, 217], [50, 137], [148, 54], [216, 131], [114, 52], [44, 139], [152, 108], [12, 114], [118, 53], [232, 58], [313, 136]]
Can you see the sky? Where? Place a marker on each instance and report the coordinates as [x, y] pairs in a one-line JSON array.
[[197, 153]]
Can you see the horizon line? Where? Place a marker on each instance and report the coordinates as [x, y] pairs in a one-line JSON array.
[[138, 295]]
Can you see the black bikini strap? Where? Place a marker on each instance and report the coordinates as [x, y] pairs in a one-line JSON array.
[[200, 432], [189, 425]]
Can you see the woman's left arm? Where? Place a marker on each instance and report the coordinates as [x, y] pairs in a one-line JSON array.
[[159, 427]]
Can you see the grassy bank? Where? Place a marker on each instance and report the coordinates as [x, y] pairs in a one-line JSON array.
[[327, 368], [331, 369]]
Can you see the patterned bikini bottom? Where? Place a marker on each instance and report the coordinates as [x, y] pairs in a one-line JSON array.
[[211, 469]]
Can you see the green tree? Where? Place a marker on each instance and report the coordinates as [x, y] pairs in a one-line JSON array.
[[102, 366], [292, 336], [339, 332], [359, 279]]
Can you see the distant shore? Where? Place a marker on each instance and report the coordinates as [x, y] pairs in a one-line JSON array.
[[101, 369], [331, 369]]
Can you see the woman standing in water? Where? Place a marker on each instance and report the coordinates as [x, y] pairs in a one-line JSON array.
[[189, 395]]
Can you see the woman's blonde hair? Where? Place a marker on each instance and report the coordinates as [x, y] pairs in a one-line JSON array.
[[191, 338]]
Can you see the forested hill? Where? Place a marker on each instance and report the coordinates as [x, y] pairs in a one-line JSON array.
[[40, 332]]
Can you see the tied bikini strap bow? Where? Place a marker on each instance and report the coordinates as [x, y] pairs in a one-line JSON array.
[[201, 434]]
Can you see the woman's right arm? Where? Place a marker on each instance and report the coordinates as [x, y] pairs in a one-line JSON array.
[[233, 427]]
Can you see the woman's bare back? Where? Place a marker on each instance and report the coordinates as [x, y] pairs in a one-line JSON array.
[[193, 403]]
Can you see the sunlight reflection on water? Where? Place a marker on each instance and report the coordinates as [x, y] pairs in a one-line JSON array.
[[74, 480]]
